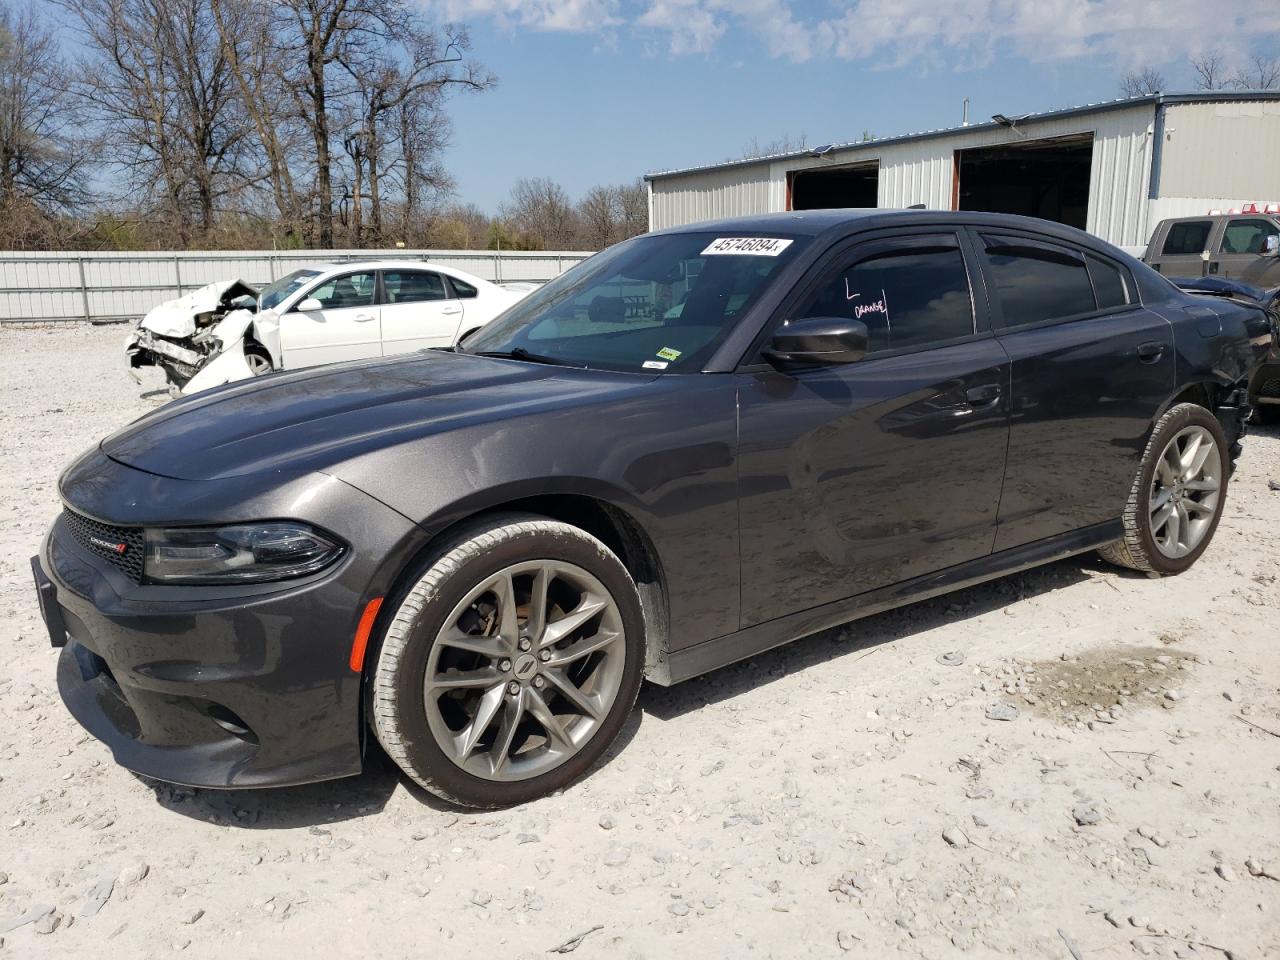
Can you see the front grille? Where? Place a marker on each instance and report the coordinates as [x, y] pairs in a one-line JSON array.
[[1270, 388], [119, 546]]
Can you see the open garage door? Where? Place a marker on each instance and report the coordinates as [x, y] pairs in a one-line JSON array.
[[852, 185], [1036, 178]]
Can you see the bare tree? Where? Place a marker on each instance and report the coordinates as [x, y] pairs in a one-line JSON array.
[[1262, 73], [599, 216], [155, 76], [754, 149], [1210, 70], [1143, 83], [41, 158], [246, 34], [633, 201], [540, 211], [409, 84]]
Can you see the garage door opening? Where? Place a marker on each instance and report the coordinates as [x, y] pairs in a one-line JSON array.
[[855, 185], [1038, 178]]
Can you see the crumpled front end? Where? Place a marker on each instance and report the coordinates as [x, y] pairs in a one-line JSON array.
[[187, 336]]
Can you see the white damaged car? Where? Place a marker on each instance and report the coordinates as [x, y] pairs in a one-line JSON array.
[[350, 311]]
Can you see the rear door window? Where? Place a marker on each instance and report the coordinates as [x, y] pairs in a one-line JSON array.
[[908, 297], [413, 286], [1247, 236], [1187, 237], [1036, 282]]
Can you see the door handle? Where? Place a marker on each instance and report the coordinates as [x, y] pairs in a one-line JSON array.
[[451, 311], [984, 396], [363, 317], [1151, 351]]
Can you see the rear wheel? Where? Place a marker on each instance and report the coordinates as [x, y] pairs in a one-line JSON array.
[[511, 663], [1178, 495]]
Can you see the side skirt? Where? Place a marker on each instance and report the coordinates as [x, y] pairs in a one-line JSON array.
[[712, 654]]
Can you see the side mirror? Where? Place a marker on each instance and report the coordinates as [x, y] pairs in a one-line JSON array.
[[1270, 245], [819, 340], [309, 305]]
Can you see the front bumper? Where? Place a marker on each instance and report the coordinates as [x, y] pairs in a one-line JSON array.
[[210, 688]]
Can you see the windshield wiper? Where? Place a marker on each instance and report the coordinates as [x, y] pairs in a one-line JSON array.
[[520, 353]]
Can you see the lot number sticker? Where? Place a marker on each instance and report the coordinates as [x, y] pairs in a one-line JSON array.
[[748, 246]]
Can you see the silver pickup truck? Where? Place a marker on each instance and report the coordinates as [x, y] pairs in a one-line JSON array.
[[1232, 246]]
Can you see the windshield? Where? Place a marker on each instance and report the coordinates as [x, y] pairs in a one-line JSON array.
[[276, 292], [652, 304]]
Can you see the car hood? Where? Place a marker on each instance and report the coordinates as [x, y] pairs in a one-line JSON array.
[[312, 419], [181, 317]]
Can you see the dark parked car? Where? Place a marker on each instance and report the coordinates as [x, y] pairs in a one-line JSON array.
[[1264, 385], [695, 446]]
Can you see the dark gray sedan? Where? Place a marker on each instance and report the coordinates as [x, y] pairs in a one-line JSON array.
[[697, 445]]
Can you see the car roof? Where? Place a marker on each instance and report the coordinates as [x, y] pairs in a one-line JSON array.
[[815, 223]]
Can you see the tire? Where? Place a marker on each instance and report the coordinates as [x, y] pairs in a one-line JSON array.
[[1150, 545], [258, 359], [428, 735]]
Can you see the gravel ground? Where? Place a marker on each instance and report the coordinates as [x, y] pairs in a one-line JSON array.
[[853, 793]]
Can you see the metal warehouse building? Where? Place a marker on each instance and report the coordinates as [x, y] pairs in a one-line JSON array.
[[1114, 169]]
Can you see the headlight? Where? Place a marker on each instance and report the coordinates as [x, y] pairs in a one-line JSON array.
[[242, 553]]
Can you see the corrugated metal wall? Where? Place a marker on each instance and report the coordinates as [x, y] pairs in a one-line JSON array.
[[920, 170], [1221, 150], [732, 192], [111, 286]]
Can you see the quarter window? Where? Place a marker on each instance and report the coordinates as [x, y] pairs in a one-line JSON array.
[[910, 297], [461, 289], [1108, 284], [1247, 236], [414, 286], [1037, 282], [349, 290], [1187, 237]]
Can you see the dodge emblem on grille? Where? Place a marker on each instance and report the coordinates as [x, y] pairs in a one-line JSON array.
[[108, 545]]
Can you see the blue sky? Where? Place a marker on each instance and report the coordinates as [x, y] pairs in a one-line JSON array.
[[596, 91]]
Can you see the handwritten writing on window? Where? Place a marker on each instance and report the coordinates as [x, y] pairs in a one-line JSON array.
[[860, 310]]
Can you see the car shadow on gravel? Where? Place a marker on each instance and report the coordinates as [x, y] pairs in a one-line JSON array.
[[283, 808], [316, 804], [862, 637]]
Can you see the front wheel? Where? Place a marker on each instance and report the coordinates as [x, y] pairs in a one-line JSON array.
[[1178, 495], [511, 663], [258, 359]]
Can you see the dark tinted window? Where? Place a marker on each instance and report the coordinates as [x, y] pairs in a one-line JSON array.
[[1247, 236], [907, 298], [1190, 237], [1108, 284], [1036, 283], [461, 289], [413, 286], [349, 290]]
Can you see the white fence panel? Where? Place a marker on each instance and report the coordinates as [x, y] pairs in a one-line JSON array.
[[41, 287]]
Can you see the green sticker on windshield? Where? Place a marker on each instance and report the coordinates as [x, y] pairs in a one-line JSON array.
[[666, 353]]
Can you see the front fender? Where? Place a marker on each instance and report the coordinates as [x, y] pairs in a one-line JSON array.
[[228, 366]]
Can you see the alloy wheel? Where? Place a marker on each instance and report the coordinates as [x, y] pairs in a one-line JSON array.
[[524, 671], [1185, 491]]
